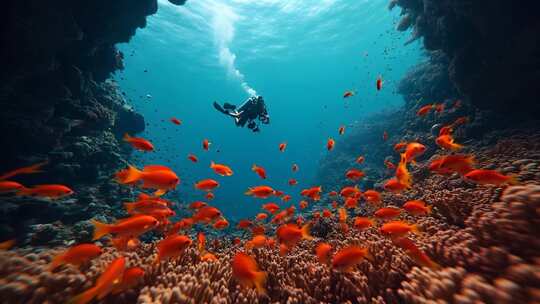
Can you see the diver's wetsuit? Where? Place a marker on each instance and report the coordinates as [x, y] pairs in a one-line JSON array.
[[251, 110]]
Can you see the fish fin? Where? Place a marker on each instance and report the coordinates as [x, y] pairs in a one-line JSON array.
[[160, 192], [254, 167], [57, 261], [127, 137], [415, 229], [133, 174], [306, 232], [100, 229], [260, 281], [369, 256], [513, 179], [429, 209], [84, 297]]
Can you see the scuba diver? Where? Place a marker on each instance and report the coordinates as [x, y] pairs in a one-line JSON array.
[[252, 111]]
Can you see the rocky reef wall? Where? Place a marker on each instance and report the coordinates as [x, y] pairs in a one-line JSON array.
[[58, 106], [493, 48]]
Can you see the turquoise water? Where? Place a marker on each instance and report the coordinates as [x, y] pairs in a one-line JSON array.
[[300, 55]]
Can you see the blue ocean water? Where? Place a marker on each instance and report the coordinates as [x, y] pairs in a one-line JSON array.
[[300, 55]]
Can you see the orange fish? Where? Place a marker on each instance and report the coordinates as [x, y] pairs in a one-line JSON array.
[[125, 243], [351, 202], [197, 205], [271, 207], [261, 192], [398, 228], [334, 204], [201, 239], [221, 224], [461, 121], [346, 258], [389, 165], [460, 163], [316, 214], [447, 142], [379, 83], [290, 234], [402, 173], [132, 277], [144, 206], [372, 196], [257, 230], [6, 245], [282, 146], [261, 216], [76, 255], [385, 136], [156, 177], [342, 215], [446, 130], [303, 204], [236, 241], [348, 94], [206, 144], [490, 177], [10, 186], [286, 198], [209, 196], [259, 170], [208, 257], [326, 213], [279, 193], [206, 214], [132, 226], [423, 111], [360, 159], [290, 211], [417, 207], [176, 121], [47, 191], [106, 282], [415, 253], [354, 174], [221, 169], [246, 271], [24, 170], [400, 146], [139, 143], [294, 167], [182, 224], [193, 158], [171, 247], [314, 193], [413, 151], [349, 191], [439, 108], [207, 184], [387, 212], [393, 185], [292, 182], [332, 193], [362, 223], [435, 166], [330, 144], [299, 220], [323, 252], [257, 241], [341, 130], [270, 242], [244, 224]]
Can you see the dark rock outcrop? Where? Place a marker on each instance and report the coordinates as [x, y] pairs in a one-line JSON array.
[[493, 48]]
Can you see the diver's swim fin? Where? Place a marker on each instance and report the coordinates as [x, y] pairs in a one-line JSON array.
[[229, 106], [219, 108]]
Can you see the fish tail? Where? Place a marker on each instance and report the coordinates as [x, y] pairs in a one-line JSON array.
[[429, 209], [57, 261], [415, 229], [254, 167], [132, 175], [260, 281], [212, 164], [127, 137], [249, 192], [248, 246], [434, 265], [157, 260], [306, 234], [369, 256], [456, 147], [513, 179], [84, 297], [160, 192], [24, 192], [100, 229]]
